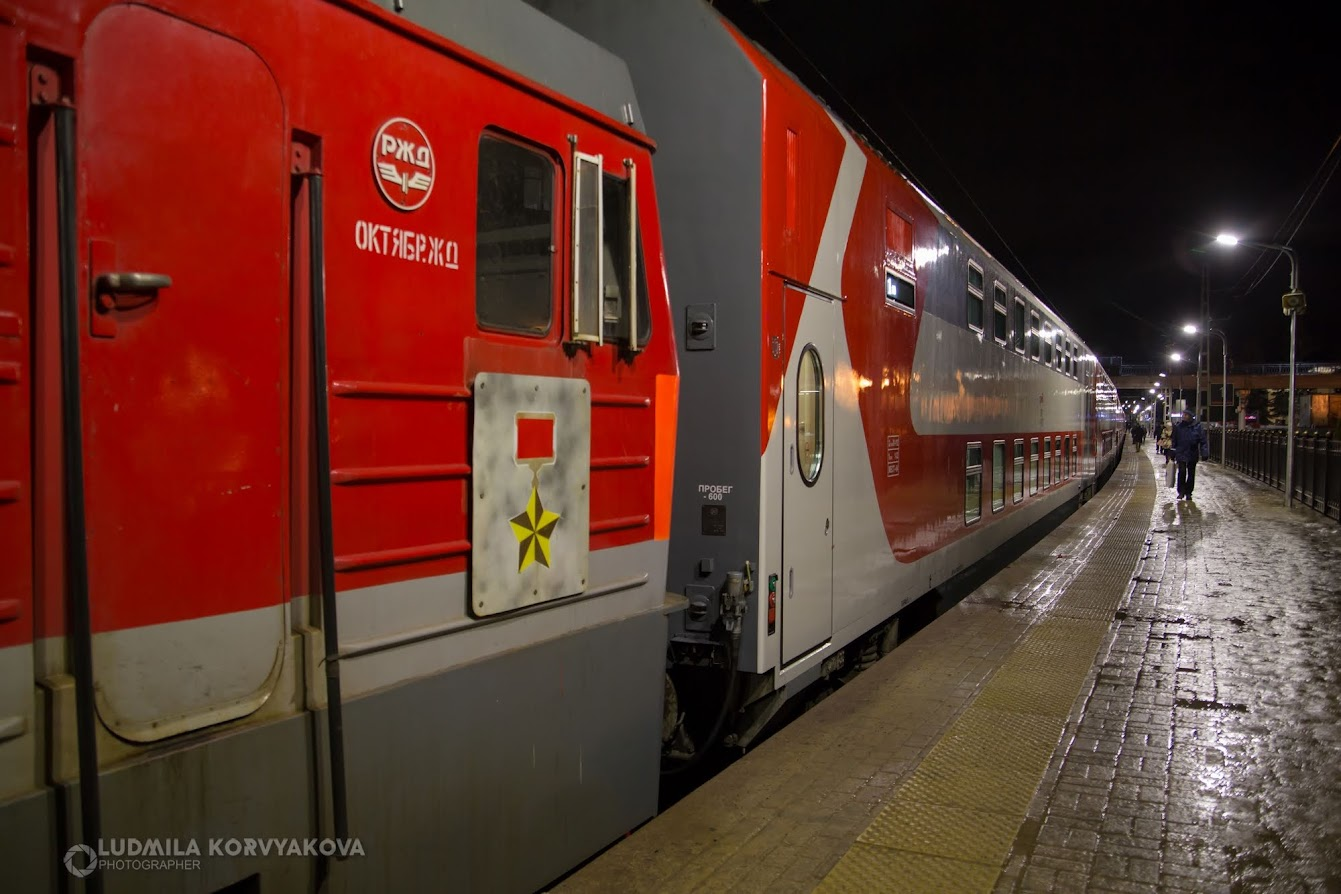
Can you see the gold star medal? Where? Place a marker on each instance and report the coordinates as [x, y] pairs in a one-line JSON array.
[[533, 529]]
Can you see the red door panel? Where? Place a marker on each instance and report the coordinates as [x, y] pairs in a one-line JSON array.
[[182, 153]]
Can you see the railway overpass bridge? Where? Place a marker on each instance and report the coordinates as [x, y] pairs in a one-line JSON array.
[[1318, 386]]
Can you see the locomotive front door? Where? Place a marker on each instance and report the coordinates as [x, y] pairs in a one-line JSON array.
[[807, 490], [182, 155]]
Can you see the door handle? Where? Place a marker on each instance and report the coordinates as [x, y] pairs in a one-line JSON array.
[[826, 527], [791, 582], [129, 290]]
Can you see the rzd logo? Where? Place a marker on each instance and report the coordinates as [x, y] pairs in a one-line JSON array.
[[90, 861], [403, 163]]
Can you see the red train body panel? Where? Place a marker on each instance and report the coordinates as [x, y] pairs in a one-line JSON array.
[[202, 176]]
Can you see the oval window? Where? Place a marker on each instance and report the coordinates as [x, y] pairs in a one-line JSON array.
[[810, 415]]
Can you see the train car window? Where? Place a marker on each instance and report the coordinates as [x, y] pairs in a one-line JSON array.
[[1057, 461], [898, 291], [998, 476], [1067, 358], [1033, 335], [975, 285], [619, 264], [1019, 470], [588, 248], [1057, 351], [1037, 478], [1020, 330], [514, 238], [1046, 337], [810, 415], [1047, 462], [999, 313], [973, 483], [1066, 458]]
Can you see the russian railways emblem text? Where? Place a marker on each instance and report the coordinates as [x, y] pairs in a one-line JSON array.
[[403, 164]]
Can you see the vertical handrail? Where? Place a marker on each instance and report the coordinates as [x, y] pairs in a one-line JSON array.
[[78, 611], [325, 523]]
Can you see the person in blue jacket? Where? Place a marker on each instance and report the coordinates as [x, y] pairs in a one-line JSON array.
[[1190, 444]]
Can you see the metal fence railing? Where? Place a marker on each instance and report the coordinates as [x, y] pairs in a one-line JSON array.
[[1261, 455]]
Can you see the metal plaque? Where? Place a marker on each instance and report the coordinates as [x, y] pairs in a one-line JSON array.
[[531, 490]]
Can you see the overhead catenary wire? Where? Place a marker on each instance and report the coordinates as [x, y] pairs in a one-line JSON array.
[[1294, 221]]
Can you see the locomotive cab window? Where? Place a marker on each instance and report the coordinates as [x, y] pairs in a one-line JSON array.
[[609, 282], [622, 265], [810, 415], [514, 238], [975, 286]]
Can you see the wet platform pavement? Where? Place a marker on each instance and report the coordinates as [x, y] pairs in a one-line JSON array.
[[1146, 700]]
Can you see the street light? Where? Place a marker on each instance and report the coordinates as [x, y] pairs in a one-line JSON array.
[[1191, 329], [1292, 305], [1178, 358]]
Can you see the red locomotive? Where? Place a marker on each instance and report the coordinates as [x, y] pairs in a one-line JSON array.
[[344, 390]]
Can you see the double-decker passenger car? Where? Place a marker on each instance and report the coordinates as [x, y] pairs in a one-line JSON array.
[[870, 402]]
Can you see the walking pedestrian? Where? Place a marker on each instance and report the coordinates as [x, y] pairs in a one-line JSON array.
[[1190, 444]]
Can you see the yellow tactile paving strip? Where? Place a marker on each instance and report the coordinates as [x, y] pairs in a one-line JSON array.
[[950, 825]]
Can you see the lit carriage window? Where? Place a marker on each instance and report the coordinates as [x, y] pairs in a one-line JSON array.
[[975, 283], [1057, 350], [1033, 335], [1047, 462], [1046, 338], [1068, 357], [810, 415], [1066, 458], [1019, 470], [1020, 328], [999, 313], [588, 250], [1037, 478], [973, 483], [998, 475], [1057, 460], [898, 291], [514, 236], [620, 209]]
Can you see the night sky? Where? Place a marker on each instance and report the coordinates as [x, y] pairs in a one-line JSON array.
[[1096, 149]]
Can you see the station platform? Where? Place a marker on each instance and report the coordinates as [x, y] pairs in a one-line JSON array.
[[1146, 700]]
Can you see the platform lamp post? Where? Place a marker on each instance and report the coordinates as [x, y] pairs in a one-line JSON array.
[[1178, 358], [1292, 305], [1191, 329]]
